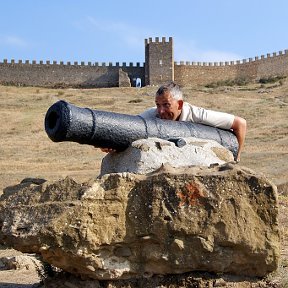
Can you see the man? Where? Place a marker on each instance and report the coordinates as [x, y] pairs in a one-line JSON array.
[[170, 106]]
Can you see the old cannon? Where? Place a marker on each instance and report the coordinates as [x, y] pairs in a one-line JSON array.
[[66, 122]]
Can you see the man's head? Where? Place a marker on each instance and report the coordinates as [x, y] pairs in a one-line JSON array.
[[169, 101]]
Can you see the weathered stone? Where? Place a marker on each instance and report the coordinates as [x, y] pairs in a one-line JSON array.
[[221, 219], [147, 155], [124, 80], [27, 262]]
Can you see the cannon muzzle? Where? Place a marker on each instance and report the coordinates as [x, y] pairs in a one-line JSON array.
[[66, 122]]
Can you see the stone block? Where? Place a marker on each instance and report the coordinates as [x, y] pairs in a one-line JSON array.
[[147, 155]]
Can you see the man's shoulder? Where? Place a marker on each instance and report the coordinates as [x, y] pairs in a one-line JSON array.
[[189, 106], [187, 112]]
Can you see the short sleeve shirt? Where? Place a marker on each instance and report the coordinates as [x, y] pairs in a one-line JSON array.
[[198, 115]]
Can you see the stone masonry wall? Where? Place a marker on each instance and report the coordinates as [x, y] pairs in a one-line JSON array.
[[187, 74], [159, 67], [60, 75], [159, 61]]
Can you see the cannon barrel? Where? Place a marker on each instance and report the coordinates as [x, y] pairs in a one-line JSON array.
[[67, 122]]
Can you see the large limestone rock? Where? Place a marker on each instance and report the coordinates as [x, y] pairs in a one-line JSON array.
[[221, 219], [147, 155]]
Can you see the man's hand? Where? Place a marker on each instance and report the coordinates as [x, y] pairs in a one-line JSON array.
[[239, 127]]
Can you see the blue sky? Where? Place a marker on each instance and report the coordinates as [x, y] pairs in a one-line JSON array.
[[114, 31]]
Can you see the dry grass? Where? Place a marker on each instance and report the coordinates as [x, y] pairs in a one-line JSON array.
[[26, 151]]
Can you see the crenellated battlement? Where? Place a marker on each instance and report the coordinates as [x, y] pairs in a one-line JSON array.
[[237, 62], [75, 63], [159, 67], [157, 40]]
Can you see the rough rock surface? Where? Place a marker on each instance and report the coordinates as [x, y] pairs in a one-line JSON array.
[[221, 220], [124, 80], [147, 155], [20, 262]]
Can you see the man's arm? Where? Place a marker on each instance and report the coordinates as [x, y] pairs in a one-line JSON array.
[[239, 127]]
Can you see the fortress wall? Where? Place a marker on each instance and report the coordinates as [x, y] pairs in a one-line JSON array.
[[135, 72], [187, 75], [273, 65], [60, 75], [198, 73], [158, 68]]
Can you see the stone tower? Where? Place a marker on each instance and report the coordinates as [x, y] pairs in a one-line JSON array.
[[159, 61]]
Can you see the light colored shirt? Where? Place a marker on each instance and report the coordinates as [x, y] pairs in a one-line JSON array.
[[197, 115]]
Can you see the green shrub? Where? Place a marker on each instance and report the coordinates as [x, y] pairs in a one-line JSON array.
[[135, 101], [241, 81], [272, 79]]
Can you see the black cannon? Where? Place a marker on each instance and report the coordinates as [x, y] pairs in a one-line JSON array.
[[66, 122]]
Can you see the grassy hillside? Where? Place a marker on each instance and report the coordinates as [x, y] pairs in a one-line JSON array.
[[26, 150]]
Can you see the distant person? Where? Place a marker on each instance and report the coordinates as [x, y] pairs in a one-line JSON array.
[[138, 82], [170, 106]]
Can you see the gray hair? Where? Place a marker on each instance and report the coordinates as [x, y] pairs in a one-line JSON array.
[[172, 88]]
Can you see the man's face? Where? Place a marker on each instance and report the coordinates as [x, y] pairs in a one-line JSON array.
[[167, 107]]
